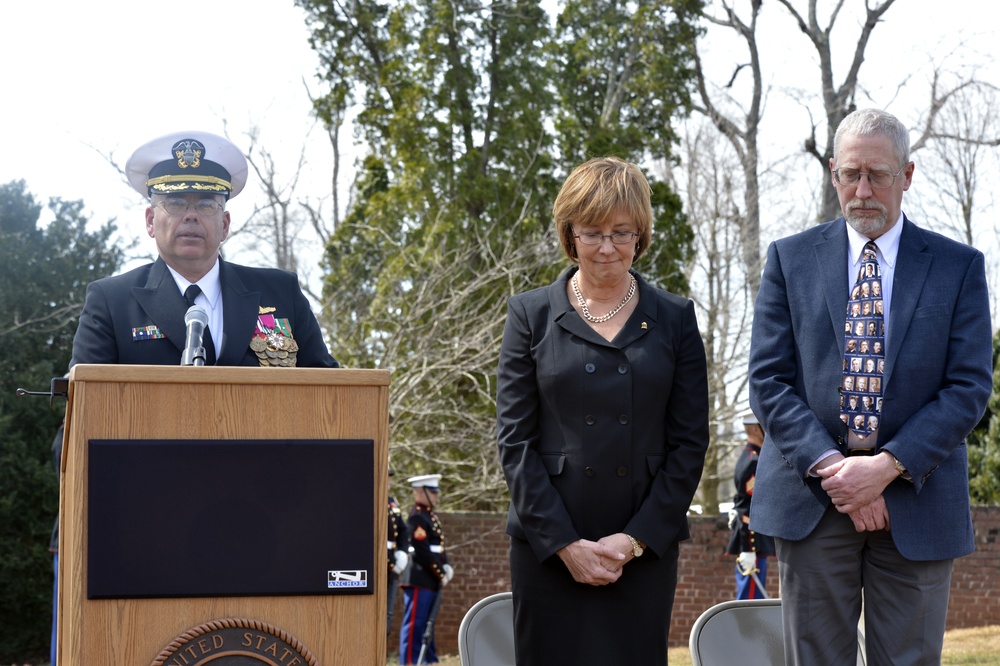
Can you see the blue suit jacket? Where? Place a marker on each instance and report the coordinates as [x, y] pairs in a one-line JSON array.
[[148, 296], [937, 380]]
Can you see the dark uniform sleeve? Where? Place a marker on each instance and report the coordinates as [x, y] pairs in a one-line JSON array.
[[403, 540], [743, 539], [399, 535], [95, 340], [743, 478]]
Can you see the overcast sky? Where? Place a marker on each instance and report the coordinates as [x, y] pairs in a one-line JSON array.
[[82, 80]]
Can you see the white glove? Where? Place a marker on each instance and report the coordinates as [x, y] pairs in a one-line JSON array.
[[747, 563], [402, 559], [732, 518], [449, 573]]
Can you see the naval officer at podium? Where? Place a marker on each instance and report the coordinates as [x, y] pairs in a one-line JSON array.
[[256, 316]]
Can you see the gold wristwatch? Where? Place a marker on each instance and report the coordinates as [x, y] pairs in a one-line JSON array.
[[900, 467], [637, 550]]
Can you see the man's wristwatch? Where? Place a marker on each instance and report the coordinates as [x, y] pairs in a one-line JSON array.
[[637, 550], [900, 467]]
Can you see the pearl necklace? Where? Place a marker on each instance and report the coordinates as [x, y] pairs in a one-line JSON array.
[[603, 318]]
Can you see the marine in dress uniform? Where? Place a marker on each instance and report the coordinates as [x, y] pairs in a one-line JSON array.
[[397, 557], [751, 549], [257, 316], [428, 573]]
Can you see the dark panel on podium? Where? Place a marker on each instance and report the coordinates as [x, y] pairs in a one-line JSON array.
[[193, 518]]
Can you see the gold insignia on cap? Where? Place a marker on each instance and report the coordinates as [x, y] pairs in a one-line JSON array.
[[188, 153]]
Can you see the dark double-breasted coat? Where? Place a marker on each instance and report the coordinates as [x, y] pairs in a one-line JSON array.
[[596, 438]]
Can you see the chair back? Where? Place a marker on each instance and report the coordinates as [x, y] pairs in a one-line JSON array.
[[486, 635], [746, 632], [739, 632]]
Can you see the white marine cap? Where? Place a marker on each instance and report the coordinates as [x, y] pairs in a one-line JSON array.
[[428, 481]]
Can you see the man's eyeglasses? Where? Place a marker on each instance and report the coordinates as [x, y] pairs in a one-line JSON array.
[[178, 206], [878, 178], [618, 238]]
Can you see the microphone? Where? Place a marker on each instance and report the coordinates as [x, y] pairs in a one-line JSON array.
[[196, 321]]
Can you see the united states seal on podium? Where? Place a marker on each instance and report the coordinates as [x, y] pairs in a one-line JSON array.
[[235, 642]]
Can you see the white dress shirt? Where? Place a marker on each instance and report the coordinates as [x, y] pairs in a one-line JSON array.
[[210, 298]]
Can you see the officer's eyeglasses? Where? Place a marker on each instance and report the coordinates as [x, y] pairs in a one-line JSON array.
[[178, 206], [878, 178]]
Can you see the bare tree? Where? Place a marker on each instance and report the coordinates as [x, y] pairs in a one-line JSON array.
[[332, 112], [958, 147], [961, 133], [710, 180], [742, 133], [276, 223], [838, 100], [283, 224]]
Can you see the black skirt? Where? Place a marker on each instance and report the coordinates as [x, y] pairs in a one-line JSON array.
[[559, 621]]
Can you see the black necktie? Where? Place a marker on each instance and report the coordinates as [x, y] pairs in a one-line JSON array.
[[864, 349], [190, 294]]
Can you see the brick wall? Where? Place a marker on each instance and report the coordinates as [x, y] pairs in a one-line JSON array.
[[477, 547]]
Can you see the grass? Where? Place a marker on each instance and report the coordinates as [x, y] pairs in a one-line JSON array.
[[971, 646], [962, 647]]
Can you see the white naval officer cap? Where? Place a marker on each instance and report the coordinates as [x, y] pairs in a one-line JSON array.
[[184, 162], [750, 419], [428, 481]]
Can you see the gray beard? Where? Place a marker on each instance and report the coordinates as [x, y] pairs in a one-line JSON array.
[[864, 225]]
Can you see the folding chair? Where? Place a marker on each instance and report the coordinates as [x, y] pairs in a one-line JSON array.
[[745, 632], [486, 635], [739, 632]]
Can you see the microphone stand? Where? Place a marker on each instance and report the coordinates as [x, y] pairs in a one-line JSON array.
[[193, 356]]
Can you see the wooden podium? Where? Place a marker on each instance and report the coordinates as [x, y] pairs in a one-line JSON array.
[[168, 617]]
